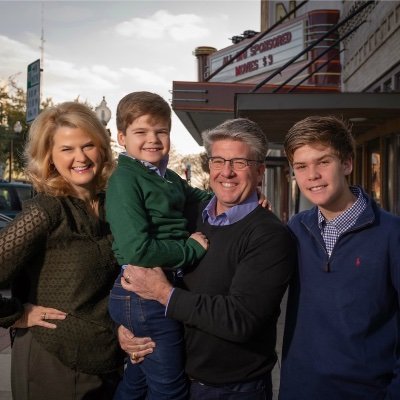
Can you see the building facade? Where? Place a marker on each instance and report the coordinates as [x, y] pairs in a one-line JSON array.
[[371, 64], [316, 57]]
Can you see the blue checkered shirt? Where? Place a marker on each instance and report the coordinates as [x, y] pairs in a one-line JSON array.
[[331, 230]]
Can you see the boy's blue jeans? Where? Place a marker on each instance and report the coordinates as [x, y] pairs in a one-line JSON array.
[[161, 374]]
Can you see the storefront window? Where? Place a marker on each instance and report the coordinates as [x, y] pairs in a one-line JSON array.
[[387, 86], [397, 82], [276, 185], [376, 176], [358, 167], [391, 182]]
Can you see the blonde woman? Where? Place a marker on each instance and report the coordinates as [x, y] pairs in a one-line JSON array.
[[57, 256]]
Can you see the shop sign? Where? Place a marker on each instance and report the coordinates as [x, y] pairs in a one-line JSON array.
[[33, 91]]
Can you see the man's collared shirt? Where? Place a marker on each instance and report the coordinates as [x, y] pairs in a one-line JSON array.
[[331, 230], [233, 214]]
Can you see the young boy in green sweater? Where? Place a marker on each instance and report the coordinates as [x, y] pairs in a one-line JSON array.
[[145, 204]]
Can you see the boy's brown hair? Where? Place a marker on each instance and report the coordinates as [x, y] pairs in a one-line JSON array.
[[137, 104], [326, 130]]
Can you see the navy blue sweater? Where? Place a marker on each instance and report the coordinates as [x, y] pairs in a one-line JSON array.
[[342, 328]]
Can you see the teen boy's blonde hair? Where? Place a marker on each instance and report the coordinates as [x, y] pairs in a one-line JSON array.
[[137, 104], [325, 130], [39, 167]]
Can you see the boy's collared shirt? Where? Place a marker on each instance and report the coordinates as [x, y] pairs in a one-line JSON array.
[[232, 215], [331, 230], [160, 171]]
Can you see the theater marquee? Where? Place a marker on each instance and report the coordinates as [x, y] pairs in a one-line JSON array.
[[270, 53]]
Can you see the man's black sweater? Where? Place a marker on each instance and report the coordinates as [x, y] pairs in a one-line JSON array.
[[233, 299]]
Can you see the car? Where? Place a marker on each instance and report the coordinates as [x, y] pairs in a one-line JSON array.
[[12, 194], [4, 220]]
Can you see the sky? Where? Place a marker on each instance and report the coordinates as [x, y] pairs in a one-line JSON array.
[[110, 48]]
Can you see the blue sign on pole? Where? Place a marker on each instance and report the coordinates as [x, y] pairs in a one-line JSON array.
[[33, 91]]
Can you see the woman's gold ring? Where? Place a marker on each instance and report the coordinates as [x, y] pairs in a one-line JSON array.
[[43, 316], [135, 357]]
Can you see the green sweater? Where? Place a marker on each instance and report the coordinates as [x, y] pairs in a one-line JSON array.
[[146, 215], [57, 254]]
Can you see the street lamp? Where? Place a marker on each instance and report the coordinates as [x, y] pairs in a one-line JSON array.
[[103, 112], [17, 130]]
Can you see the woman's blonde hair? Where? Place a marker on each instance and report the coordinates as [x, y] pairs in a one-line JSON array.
[[42, 173]]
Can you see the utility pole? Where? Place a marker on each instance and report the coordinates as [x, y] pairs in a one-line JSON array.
[[41, 47]]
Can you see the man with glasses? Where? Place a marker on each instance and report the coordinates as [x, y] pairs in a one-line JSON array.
[[231, 300]]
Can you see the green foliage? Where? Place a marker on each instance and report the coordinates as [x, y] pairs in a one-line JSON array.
[[13, 109]]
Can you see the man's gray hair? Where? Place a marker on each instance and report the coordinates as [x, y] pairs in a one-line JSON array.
[[241, 130]]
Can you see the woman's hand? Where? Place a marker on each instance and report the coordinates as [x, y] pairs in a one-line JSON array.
[[38, 316], [136, 348]]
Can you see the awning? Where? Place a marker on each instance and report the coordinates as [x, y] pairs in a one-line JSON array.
[[276, 113], [204, 105]]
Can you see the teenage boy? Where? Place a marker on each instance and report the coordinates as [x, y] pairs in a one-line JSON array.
[[342, 331], [145, 206]]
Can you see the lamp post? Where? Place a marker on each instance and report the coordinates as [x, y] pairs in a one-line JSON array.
[[17, 130], [188, 172], [103, 113]]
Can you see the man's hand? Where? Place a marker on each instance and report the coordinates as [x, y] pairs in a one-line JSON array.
[[149, 283], [136, 348]]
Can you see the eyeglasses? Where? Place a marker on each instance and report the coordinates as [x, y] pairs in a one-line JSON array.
[[237, 164]]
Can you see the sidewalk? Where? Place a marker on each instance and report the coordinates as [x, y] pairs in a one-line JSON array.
[[5, 360], [5, 357]]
